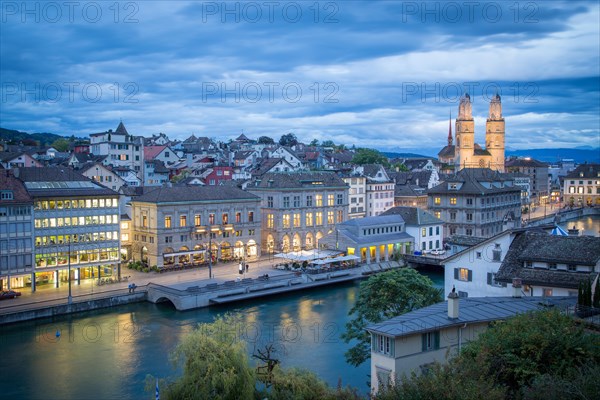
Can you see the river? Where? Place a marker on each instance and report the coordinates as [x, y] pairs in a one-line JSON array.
[[107, 353], [589, 225]]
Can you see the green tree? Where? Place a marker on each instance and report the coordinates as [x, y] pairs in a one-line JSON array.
[[61, 144], [215, 364], [265, 140], [369, 156], [328, 143], [516, 352], [382, 297], [453, 381], [300, 384], [314, 143], [288, 139], [581, 383], [400, 167]]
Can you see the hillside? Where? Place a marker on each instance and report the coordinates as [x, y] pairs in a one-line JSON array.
[[553, 155], [42, 139]]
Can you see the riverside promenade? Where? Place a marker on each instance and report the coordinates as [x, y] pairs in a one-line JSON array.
[[186, 289]]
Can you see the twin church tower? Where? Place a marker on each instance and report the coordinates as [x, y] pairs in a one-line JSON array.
[[468, 154]]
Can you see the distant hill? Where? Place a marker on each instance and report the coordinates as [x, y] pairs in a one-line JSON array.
[[553, 155], [403, 155], [43, 139]]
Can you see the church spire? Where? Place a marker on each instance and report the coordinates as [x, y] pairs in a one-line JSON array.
[[450, 140]]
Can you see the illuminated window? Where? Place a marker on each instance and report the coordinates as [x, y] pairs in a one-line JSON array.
[[340, 216], [167, 221], [270, 221], [330, 200], [309, 219], [453, 200], [319, 200], [225, 218], [197, 219], [182, 221], [211, 219], [437, 201], [463, 274], [286, 220], [423, 232], [319, 218], [296, 220], [330, 217]]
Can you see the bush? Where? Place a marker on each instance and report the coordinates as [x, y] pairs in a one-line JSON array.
[[146, 269]]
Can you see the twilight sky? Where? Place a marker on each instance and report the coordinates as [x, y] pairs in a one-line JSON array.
[[372, 74]]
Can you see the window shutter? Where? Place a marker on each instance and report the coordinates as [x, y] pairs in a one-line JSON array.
[[470, 275], [373, 342], [436, 339], [489, 278], [424, 342], [393, 347], [455, 273]]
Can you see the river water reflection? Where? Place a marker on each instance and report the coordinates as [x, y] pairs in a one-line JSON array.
[[107, 354]]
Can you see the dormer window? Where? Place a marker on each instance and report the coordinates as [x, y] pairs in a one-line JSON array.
[[551, 265], [453, 186], [529, 264], [572, 267], [6, 195]]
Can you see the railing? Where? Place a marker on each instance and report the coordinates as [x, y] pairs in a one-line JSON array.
[[590, 315]]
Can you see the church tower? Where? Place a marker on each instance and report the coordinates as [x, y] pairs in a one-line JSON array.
[[450, 138], [494, 134], [465, 134]]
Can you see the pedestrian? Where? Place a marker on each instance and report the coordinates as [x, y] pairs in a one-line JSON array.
[[241, 269], [129, 287], [247, 265]]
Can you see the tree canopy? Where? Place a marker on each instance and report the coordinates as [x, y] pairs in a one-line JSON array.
[[288, 139], [215, 364], [61, 144], [265, 140], [382, 297], [369, 156]]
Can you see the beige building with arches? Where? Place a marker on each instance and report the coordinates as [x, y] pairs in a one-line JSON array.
[[299, 208], [173, 226]]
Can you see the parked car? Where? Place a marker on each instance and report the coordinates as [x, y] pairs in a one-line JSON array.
[[9, 294]]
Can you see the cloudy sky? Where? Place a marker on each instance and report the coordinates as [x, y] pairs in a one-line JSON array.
[[373, 74]]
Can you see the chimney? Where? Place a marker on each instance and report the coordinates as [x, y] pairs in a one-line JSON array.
[[453, 304], [516, 284]]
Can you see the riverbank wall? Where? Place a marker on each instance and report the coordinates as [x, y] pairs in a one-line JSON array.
[[193, 297], [566, 215], [48, 309]]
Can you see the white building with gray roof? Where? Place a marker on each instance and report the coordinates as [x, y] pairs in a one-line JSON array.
[[413, 341]]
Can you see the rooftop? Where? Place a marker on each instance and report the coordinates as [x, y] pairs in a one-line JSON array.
[[471, 310], [177, 194], [542, 247], [413, 216]]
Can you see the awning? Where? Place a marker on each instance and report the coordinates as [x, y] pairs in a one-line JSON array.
[[308, 255], [183, 253], [335, 259]]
